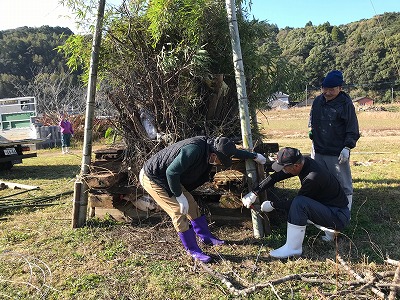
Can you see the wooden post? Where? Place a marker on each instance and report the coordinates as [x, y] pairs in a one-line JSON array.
[[76, 203], [215, 97]]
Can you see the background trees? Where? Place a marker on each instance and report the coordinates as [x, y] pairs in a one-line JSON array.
[[195, 32], [30, 65], [366, 51], [169, 63]]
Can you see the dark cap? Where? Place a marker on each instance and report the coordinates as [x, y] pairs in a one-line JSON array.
[[333, 79], [286, 156], [225, 150]]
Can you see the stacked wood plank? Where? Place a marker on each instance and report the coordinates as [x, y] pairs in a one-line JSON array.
[[107, 184], [111, 195]]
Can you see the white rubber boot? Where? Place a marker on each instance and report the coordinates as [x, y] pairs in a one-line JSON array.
[[63, 150], [294, 242], [328, 237]]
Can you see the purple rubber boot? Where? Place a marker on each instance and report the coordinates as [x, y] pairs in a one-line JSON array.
[[188, 239], [200, 226]]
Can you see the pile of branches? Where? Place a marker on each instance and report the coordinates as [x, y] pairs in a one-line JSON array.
[[169, 91]]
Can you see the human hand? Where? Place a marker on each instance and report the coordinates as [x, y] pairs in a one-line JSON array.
[[183, 204], [260, 159], [344, 155], [249, 199], [266, 206]]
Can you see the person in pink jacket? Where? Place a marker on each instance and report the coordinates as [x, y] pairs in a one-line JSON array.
[[66, 133]]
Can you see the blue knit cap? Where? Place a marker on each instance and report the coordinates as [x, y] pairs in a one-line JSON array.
[[333, 79]]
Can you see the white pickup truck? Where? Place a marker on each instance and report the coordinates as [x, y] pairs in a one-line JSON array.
[[17, 130]]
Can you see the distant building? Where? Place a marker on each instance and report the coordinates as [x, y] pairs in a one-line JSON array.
[[363, 101], [279, 100], [278, 104], [282, 97]]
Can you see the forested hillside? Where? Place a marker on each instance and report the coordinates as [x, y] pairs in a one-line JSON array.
[[367, 51], [25, 52], [30, 65]]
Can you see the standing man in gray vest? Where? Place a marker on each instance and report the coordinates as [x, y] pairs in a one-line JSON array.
[[334, 132]]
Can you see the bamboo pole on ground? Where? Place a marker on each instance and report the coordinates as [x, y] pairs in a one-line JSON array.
[[244, 111], [13, 185], [81, 202]]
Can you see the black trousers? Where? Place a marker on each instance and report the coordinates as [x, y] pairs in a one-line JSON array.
[[304, 208]]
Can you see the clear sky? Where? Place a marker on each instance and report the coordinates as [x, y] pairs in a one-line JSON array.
[[293, 13], [296, 13]]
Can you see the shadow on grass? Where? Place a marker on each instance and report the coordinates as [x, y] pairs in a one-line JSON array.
[[40, 172], [376, 181]]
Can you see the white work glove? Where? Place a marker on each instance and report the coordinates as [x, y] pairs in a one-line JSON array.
[[183, 204], [249, 199], [260, 159], [266, 206], [344, 155], [141, 175]]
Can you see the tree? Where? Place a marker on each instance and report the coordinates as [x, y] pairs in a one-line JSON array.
[[366, 51], [337, 34]]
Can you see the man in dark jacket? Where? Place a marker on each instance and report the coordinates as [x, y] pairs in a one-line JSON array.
[[334, 132], [320, 199], [170, 175]]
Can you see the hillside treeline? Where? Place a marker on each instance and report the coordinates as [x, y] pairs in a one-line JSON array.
[[30, 65], [26, 52], [367, 51]]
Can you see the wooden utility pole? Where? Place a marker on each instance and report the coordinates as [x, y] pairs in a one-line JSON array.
[[80, 203], [244, 111]]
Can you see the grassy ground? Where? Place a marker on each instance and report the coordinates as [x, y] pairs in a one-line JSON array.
[[42, 257]]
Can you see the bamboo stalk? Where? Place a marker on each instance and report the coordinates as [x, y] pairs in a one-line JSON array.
[[90, 105], [251, 171]]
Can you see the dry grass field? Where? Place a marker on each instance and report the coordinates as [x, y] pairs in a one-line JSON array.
[[42, 257]]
